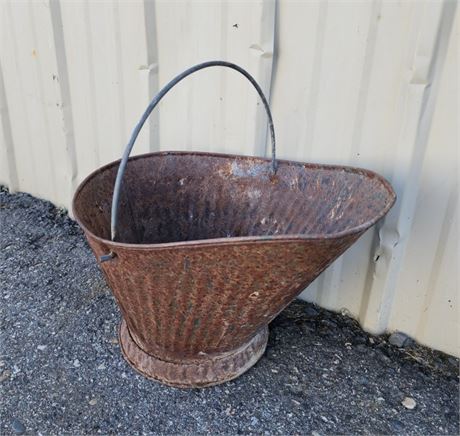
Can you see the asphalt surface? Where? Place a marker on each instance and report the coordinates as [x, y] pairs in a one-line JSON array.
[[62, 372]]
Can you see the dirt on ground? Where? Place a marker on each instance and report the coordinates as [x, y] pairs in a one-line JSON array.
[[61, 370]]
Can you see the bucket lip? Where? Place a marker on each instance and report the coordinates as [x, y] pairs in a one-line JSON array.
[[295, 237]]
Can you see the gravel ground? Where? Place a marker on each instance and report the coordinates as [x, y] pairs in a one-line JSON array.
[[62, 372]]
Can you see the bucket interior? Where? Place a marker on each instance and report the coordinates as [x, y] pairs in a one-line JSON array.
[[172, 197]]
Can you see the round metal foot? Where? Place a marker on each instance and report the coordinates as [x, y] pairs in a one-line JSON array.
[[193, 373]]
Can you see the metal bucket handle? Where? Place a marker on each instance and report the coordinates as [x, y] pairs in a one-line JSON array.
[[151, 106]]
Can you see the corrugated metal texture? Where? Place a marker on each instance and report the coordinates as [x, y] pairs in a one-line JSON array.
[[428, 278], [369, 79], [370, 84]]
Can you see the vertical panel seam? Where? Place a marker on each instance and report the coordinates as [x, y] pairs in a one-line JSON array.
[[64, 89], [8, 137], [25, 120], [266, 56], [221, 124], [92, 86], [153, 71], [368, 64], [120, 85], [41, 93], [438, 256], [306, 138]]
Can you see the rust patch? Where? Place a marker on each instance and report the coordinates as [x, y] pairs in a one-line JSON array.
[[211, 249]]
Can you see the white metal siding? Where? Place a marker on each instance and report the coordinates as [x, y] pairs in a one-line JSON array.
[[370, 84]]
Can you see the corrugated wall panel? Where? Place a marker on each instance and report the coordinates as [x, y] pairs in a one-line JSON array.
[[426, 300], [109, 68], [368, 84], [215, 109], [366, 102]]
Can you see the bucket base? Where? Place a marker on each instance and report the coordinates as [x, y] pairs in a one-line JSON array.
[[193, 373]]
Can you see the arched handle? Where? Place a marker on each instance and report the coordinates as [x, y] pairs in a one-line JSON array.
[[151, 106]]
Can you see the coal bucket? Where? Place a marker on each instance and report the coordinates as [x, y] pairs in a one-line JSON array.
[[203, 250]]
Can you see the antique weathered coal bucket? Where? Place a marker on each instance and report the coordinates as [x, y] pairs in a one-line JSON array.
[[203, 250]]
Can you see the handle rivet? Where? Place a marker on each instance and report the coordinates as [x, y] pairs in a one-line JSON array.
[[106, 257]]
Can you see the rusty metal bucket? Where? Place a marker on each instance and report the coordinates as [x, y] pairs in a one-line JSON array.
[[203, 250]]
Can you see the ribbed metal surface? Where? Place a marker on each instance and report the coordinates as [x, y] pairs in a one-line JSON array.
[[193, 373], [195, 290], [369, 84]]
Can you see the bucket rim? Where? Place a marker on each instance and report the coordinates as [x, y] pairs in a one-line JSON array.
[[293, 237]]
